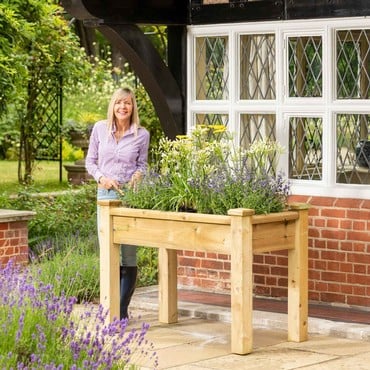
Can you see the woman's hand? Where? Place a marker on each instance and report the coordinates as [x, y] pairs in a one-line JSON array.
[[108, 183], [135, 179]]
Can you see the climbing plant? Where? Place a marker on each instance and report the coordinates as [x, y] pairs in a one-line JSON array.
[[39, 50]]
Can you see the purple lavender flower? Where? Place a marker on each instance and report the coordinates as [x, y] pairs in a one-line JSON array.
[[41, 330]]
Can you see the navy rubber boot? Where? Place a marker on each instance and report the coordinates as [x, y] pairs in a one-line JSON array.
[[128, 276]]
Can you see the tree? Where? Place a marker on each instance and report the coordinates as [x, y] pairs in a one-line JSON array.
[[37, 48]]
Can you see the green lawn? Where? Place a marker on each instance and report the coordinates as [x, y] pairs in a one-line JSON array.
[[45, 175]]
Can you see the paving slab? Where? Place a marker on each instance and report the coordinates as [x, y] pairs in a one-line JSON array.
[[201, 340]]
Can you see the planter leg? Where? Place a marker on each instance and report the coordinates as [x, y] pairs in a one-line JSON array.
[[298, 279], [167, 262], [109, 261], [241, 281]]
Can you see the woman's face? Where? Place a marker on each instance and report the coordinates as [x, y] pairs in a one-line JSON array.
[[123, 108]]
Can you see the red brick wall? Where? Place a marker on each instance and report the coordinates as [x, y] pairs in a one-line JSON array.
[[14, 242], [339, 257]]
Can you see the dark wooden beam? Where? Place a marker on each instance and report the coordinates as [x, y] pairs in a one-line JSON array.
[[263, 10], [304, 9], [269, 10], [186, 12], [164, 12]]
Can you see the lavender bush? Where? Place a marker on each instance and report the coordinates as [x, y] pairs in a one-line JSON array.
[[204, 172], [39, 330]]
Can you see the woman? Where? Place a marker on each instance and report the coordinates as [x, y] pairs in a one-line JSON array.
[[117, 155]]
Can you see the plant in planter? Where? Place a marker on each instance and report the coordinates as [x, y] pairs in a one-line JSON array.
[[79, 130], [206, 173]]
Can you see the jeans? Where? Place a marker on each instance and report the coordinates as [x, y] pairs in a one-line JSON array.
[[127, 252]]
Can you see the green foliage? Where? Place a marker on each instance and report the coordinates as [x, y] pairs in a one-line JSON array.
[[44, 50], [148, 116], [72, 264], [206, 173], [71, 154], [46, 176], [36, 46], [147, 262], [72, 212], [63, 240]]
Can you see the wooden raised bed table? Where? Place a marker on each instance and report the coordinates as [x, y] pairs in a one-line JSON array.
[[240, 234]]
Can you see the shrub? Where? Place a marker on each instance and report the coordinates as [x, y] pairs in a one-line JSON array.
[[206, 173], [71, 154], [72, 212], [72, 265], [41, 330], [64, 241]]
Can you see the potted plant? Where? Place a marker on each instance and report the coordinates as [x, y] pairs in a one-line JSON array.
[[206, 173], [204, 194], [79, 130], [79, 133]]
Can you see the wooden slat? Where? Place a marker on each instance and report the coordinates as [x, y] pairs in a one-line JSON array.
[[198, 236], [173, 216], [273, 236], [275, 217], [171, 234]]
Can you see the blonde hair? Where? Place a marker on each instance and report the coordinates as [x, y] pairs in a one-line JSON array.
[[120, 93]]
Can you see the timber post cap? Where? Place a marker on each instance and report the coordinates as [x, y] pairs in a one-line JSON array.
[[241, 212], [298, 206], [110, 202]]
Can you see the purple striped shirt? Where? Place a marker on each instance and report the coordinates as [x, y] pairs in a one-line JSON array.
[[118, 161]]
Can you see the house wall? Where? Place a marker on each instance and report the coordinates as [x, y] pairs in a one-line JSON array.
[[339, 257]]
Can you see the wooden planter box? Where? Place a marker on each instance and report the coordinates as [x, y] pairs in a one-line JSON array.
[[239, 234]]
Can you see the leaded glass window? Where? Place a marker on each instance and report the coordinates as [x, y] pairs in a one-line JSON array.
[[353, 148], [353, 64], [293, 83], [211, 119], [257, 127], [305, 66], [212, 72], [257, 67], [305, 148]]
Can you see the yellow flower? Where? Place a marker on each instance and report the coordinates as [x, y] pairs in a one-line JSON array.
[[218, 128]]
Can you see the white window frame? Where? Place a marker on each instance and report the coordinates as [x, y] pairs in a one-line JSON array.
[[283, 106]]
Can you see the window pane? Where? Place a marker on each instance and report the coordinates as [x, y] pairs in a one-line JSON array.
[[353, 148], [212, 71], [257, 67], [257, 127], [305, 143], [305, 66], [353, 64], [211, 119]]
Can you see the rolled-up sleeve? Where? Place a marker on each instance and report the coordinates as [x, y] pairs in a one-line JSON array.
[[92, 157]]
